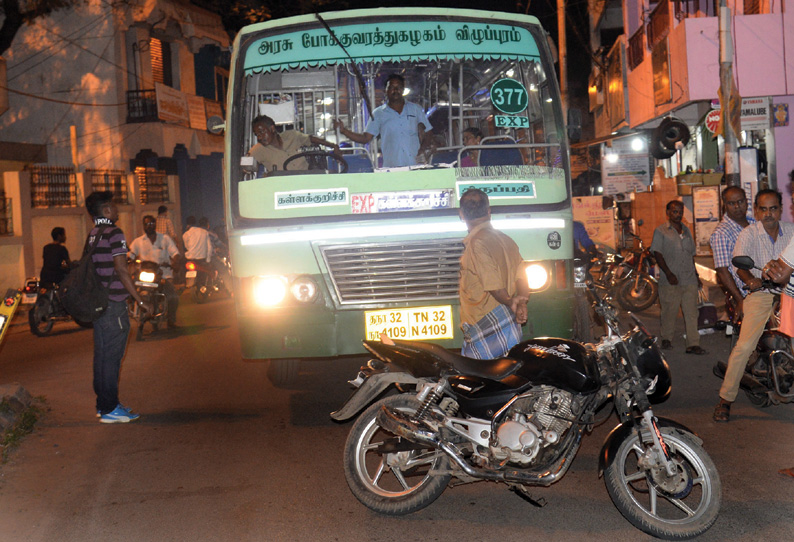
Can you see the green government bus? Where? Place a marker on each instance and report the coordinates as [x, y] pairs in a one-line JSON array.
[[344, 248]]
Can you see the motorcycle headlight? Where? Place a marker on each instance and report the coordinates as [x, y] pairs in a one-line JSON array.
[[538, 277], [580, 274], [146, 276], [269, 291], [304, 289]]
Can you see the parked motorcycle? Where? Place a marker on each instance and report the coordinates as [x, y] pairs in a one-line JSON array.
[[149, 282], [47, 309], [768, 378], [205, 279], [520, 420], [637, 288]]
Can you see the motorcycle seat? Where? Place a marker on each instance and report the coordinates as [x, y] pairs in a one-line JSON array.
[[492, 369]]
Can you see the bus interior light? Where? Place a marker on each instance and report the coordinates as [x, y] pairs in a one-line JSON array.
[[537, 277], [269, 291], [304, 289]]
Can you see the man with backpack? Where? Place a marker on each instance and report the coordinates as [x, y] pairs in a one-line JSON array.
[[112, 327]]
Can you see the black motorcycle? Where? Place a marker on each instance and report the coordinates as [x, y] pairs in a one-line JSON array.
[[47, 310], [768, 378], [520, 420], [149, 282]]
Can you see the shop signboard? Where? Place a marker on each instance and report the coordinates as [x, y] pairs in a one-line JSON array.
[[624, 169], [706, 213], [599, 222], [755, 114]]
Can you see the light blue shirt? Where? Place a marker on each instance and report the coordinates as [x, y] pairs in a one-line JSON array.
[[399, 133]]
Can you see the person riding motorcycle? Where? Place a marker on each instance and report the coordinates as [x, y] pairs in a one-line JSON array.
[[159, 248], [56, 259]]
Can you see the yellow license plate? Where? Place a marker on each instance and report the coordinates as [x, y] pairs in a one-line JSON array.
[[412, 323]]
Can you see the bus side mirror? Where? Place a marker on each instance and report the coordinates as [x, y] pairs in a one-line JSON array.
[[574, 124], [215, 125]]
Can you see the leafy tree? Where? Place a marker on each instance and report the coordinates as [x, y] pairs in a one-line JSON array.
[[15, 13]]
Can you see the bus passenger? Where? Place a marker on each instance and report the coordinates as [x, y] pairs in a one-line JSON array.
[[273, 149], [402, 126], [471, 137]]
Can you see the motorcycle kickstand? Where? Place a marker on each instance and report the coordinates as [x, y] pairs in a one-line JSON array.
[[522, 492]]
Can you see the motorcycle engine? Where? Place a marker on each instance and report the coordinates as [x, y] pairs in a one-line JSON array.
[[537, 419]]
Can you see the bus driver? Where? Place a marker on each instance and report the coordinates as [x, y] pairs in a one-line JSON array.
[[273, 149]]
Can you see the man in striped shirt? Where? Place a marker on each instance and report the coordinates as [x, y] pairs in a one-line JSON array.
[[113, 327], [763, 241], [723, 240]]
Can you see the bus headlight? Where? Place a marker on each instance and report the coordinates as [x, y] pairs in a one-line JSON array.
[[269, 291], [538, 277], [304, 289]]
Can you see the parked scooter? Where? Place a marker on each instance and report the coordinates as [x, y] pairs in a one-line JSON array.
[[768, 378], [47, 310], [149, 282]]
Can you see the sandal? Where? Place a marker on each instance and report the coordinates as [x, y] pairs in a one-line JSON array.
[[698, 351], [722, 412]]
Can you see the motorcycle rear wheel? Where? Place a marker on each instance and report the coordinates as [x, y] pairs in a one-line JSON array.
[[672, 508], [392, 483], [639, 298], [40, 317]]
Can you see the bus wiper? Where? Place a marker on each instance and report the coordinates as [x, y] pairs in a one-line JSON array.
[[362, 88]]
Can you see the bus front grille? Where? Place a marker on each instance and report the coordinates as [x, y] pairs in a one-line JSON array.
[[369, 274]]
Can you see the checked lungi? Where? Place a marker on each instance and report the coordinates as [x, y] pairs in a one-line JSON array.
[[491, 337]]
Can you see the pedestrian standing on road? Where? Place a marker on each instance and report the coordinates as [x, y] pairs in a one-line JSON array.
[[112, 328], [723, 241], [674, 249], [493, 292], [763, 241], [165, 225], [56, 258]]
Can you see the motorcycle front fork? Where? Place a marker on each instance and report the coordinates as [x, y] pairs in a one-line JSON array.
[[658, 452]]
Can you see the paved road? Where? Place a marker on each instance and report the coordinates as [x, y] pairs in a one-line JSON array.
[[219, 454]]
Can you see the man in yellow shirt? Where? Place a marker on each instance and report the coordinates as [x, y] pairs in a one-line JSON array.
[[493, 291]]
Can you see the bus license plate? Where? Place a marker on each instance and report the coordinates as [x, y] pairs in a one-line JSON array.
[[412, 323]]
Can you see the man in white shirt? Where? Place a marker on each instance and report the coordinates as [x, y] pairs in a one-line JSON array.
[[198, 245], [159, 248]]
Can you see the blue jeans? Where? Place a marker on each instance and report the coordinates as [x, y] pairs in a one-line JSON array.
[[110, 342]]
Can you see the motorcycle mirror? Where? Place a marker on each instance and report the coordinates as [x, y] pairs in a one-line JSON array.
[[743, 262], [640, 222]]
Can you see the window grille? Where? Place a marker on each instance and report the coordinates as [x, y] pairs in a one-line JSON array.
[[6, 218], [53, 186], [153, 185], [636, 51], [114, 180]]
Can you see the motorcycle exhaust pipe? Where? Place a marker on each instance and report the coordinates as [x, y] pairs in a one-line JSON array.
[[399, 424], [748, 383]]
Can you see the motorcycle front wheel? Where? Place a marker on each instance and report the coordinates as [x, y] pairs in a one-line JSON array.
[[388, 474], [677, 507], [40, 317], [637, 293]]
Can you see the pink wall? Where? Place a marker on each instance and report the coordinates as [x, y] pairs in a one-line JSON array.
[[784, 145]]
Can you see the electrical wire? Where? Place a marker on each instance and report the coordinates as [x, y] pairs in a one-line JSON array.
[[29, 95]]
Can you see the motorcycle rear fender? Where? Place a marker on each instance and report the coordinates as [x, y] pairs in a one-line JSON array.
[[369, 391], [621, 432]]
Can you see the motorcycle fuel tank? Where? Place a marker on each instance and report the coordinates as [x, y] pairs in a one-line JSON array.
[[556, 362]]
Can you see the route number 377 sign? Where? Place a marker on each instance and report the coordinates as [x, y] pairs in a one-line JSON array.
[[509, 96]]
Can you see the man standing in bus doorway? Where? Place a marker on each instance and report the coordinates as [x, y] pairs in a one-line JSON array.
[[723, 241], [273, 149], [402, 126], [674, 249], [493, 292]]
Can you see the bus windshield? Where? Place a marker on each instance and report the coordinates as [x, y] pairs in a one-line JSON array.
[[479, 110]]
